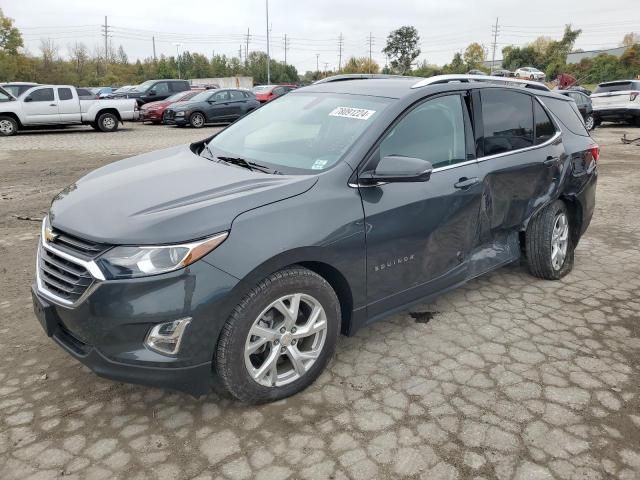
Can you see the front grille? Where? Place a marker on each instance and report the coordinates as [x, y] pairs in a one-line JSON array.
[[61, 277], [85, 249], [169, 114]]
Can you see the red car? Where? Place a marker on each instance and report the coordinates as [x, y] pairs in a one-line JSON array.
[[154, 111], [266, 93]]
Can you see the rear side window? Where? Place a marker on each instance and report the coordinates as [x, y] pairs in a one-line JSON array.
[[42, 95], [568, 114], [614, 87], [544, 128], [64, 94], [236, 95], [83, 92], [179, 86], [508, 121]]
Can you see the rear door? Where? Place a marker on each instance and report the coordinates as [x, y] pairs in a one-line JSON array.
[[420, 234], [40, 106], [68, 106], [237, 102], [520, 156]]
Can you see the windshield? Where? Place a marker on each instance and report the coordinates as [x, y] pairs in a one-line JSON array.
[[202, 96], [16, 90], [179, 96], [261, 88], [300, 132], [143, 86]]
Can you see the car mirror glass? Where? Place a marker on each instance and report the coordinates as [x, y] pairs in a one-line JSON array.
[[396, 168]]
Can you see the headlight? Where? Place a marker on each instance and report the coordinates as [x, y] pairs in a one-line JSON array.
[[131, 262], [179, 114]]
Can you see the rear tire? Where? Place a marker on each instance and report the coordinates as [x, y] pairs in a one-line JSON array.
[[197, 120], [259, 337], [589, 123], [8, 126], [549, 247], [107, 122]]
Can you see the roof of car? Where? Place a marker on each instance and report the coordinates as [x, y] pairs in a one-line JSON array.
[[398, 87], [615, 82]]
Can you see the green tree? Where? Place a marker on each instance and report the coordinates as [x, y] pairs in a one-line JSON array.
[[474, 55], [360, 65], [10, 36], [457, 65], [402, 48]]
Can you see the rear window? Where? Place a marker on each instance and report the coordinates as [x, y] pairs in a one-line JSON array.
[[615, 87], [567, 113]]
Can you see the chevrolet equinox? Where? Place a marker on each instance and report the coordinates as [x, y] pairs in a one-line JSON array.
[[237, 261]]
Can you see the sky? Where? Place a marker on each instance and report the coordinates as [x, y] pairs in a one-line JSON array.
[[313, 28]]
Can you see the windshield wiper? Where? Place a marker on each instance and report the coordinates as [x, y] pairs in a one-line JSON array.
[[241, 162]]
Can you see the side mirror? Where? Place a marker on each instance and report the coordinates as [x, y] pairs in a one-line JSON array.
[[28, 99], [396, 168], [152, 93]]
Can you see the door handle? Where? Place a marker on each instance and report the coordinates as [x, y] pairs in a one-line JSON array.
[[465, 182], [52, 104], [551, 161]]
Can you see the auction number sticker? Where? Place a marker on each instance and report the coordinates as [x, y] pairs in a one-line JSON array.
[[349, 112]]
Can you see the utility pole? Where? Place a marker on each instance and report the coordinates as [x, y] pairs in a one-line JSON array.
[[317, 62], [495, 29], [246, 50], [105, 32], [268, 53], [240, 52], [370, 48], [153, 40], [340, 42], [286, 47], [178, 45]]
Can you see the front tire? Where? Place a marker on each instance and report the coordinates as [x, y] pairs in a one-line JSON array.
[[280, 337], [8, 126], [197, 120], [550, 250], [107, 122]]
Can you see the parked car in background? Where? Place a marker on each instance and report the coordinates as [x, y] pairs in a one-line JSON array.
[[45, 105], [617, 101], [501, 72], [474, 71], [154, 111], [211, 106], [153, 90], [124, 88], [583, 102], [239, 259], [86, 94], [17, 88], [266, 93], [102, 92], [530, 72]]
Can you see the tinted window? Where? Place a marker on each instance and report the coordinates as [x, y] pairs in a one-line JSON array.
[[544, 126], [221, 96], [83, 92], [508, 121], [567, 113], [236, 95], [247, 95], [433, 131], [64, 94], [161, 88], [179, 86], [614, 87], [42, 95]]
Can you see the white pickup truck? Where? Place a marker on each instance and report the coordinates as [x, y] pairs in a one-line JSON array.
[[44, 105]]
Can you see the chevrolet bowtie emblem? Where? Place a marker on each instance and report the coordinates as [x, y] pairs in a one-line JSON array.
[[49, 235]]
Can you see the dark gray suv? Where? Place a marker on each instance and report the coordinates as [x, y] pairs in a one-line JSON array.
[[237, 260]]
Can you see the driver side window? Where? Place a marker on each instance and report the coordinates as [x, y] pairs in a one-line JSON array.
[[42, 95], [161, 88], [221, 96], [432, 131]]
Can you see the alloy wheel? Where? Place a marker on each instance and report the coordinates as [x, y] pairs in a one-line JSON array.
[[559, 241], [285, 340], [589, 122], [197, 120]]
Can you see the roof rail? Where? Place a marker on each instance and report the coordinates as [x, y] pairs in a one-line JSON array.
[[508, 81], [356, 76]]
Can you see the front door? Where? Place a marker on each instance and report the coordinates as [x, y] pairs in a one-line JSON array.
[[221, 108], [40, 106], [420, 234]]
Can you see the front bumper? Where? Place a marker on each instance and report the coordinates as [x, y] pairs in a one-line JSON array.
[[150, 116], [171, 119], [107, 329]]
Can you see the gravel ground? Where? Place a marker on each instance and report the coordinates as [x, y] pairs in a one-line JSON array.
[[510, 377]]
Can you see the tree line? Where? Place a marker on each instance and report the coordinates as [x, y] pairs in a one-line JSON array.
[[84, 67]]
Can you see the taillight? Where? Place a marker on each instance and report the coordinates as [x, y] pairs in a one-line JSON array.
[[633, 96], [595, 152]]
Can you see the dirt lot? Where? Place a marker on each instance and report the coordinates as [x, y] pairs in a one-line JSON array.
[[510, 378]]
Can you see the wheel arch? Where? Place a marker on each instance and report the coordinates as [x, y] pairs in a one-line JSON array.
[[113, 111], [12, 115]]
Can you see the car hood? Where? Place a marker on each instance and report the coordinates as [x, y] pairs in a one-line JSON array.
[[186, 105], [166, 196], [157, 104]]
